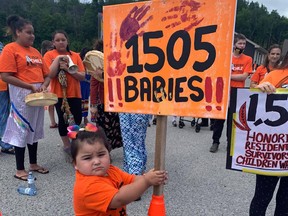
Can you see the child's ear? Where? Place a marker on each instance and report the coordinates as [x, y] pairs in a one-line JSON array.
[[75, 166]]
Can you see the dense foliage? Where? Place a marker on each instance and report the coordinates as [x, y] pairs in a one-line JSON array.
[[259, 25], [80, 20]]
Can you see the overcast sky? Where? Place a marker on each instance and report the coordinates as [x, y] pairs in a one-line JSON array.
[[279, 5]]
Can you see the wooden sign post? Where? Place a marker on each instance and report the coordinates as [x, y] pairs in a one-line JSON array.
[[157, 205]]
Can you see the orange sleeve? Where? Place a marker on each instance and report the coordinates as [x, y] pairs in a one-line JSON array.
[[7, 60], [3, 85], [48, 58], [257, 75], [274, 77], [248, 65]]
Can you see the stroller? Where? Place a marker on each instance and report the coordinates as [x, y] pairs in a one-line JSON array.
[[195, 122]]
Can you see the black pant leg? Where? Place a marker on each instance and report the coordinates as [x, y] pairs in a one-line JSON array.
[[217, 130], [19, 155], [282, 198], [32, 150], [264, 189]]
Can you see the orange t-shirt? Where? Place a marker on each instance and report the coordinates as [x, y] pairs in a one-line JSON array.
[[240, 65], [274, 77], [25, 62], [259, 74], [73, 85], [93, 194], [3, 85]]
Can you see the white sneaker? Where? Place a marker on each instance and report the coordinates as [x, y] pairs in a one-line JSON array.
[[174, 123]]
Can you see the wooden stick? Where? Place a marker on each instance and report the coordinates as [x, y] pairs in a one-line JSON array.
[[160, 146]]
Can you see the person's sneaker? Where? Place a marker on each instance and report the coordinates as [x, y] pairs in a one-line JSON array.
[[174, 123], [214, 147]]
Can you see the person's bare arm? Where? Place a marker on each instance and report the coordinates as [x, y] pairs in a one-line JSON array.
[[59, 63], [267, 87], [79, 76], [45, 84], [253, 84], [239, 77], [131, 192], [98, 73], [11, 79]]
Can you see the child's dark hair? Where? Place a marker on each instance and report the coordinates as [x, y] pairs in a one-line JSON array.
[[98, 45], [66, 36], [83, 52], [14, 23], [45, 46], [90, 138]]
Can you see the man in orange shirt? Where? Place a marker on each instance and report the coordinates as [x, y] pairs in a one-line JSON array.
[[241, 68], [4, 110]]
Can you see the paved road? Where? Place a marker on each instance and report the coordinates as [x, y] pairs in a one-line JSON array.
[[199, 184]]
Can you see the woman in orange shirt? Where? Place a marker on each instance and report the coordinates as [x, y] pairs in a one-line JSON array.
[[21, 66], [69, 95], [271, 62]]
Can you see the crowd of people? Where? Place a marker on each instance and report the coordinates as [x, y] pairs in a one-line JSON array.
[[101, 188]]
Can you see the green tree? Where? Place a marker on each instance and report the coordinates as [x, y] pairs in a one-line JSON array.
[[259, 25]]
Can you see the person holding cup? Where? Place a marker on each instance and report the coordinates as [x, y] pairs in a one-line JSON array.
[[66, 72]]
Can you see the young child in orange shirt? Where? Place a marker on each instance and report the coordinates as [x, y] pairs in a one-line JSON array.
[[101, 188]]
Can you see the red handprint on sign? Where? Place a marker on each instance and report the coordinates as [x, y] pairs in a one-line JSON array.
[[115, 66], [131, 24], [183, 14]]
